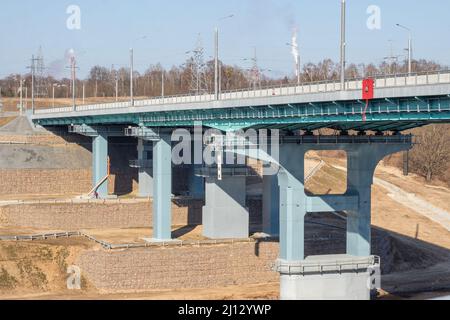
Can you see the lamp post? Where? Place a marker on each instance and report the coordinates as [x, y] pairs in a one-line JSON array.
[[132, 69], [84, 92], [409, 46], [217, 72], [73, 67], [131, 76], [21, 95], [343, 45], [32, 83]]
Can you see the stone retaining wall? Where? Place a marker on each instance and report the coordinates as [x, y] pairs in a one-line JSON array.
[[70, 216], [44, 181], [94, 215], [181, 267]]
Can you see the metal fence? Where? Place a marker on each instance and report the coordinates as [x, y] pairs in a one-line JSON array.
[[381, 81]]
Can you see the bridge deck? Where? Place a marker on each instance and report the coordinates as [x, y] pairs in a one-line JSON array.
[[409, 101]]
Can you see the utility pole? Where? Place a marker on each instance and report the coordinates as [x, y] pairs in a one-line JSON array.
[[409, 46], [131, 76], [84, 92], [116, 83], [26, 97], [117, 88], [21, 95], [32, 83], [163, 79], [410, 54], [343, 45], [53, 94], [216, 64], [73, 66]]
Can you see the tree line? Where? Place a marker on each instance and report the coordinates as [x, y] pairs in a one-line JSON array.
[[102, 81]]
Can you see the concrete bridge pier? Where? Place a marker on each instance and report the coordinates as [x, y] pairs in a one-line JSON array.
[[362, 162], [162, 188], [292, 202], [100, 164], [196, 183], [162, 177], [145, 166], [225, 215], [346, 276], [271, 204]]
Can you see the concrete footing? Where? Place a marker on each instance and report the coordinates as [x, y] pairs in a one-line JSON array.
[[335, 277], [225, 215]]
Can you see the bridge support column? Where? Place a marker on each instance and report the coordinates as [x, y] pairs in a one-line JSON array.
[[362, 162], [292, 202], [100, 164], [162, 192], [196, 183], [145, 170], [225, 215], [304, 278], [271, 205]]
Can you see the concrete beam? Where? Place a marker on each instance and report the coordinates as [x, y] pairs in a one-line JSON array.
[[331, 203], [93, 131]]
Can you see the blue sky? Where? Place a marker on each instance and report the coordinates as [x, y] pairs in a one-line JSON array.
[[172, 27]]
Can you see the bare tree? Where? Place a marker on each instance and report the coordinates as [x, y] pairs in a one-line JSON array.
[[431, 155]]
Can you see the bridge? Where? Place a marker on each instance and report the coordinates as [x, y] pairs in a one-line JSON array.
[[400, 102]]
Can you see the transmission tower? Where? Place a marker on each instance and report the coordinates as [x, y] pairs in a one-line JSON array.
[[391, 60], [198, 69], [41, 88], [255, 73]]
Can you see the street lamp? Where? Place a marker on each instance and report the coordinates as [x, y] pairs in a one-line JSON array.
[[132, 68], [343, 45], [409, 47], [297, 47], [21, 94], [217, 73]]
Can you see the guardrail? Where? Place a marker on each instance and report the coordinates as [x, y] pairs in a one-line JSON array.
[[350, 264], [381, 81], [226, 171]]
